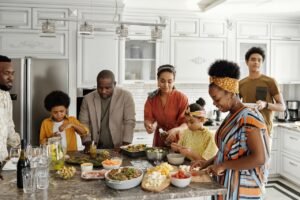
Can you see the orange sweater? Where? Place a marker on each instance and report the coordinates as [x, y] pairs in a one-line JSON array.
[[47, 132]]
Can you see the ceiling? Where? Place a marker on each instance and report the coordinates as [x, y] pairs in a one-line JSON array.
[[277, 8]]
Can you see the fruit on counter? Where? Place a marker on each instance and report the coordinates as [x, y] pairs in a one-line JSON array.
[[180, 174], [66, 172], [163, 168]]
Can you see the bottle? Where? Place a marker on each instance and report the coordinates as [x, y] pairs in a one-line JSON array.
[[93, 150], [22, 163]]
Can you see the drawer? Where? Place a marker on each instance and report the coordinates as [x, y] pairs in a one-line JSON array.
[[290, 168], [185, 27], [291, 142], [12, 17]]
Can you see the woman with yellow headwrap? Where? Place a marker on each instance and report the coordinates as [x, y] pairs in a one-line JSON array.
[[241, 163]]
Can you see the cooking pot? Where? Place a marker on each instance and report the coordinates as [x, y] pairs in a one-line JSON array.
[[283, 116]]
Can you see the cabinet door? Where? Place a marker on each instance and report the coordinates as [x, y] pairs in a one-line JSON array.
[[51, 13], [273, 165], [14, 17], [291, 141], [243, 45], [18, 43], [213, 28], [290, 167], [193, 56], [185, 27], [285, 61], [253, 30], [95, 54], [285, 31], [134, 30]]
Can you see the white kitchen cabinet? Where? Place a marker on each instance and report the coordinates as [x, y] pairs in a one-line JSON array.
[[193, 56], [96, 53], [15, 17], [243, 45], [51, 13], [213, 28], [253, 30], [139, 59], [289, 156], [285, 31], [134, 30], [285, 61], [275, 149], [185, 27], [16, 43]]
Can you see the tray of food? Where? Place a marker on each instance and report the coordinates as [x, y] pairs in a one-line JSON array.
[[134, 150], [78, 158], [94, 174]]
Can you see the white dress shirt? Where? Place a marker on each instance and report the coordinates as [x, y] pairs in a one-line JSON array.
[[8, 136]]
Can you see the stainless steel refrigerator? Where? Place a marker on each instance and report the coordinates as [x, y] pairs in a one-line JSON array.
[[34, 79]]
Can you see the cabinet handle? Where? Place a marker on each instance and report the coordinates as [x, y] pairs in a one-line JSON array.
[[139, 33], [286, 38], [293, 164], [293, 138], [8, 26], [182, 34], [253, 37]]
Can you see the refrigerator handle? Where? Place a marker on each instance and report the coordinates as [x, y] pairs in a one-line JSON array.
[[22, 98], [28, 103]]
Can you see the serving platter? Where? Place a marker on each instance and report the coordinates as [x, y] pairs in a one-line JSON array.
[[134, 151], [94, 174], [78, 158]]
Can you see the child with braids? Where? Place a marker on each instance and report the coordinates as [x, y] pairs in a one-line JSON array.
[[196, 142]]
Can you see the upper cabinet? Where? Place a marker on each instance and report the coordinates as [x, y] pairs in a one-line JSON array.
[[15, 17], [96, 53], [213, 28], [193, 56], [285, 61], [253, 30], [185, 27], [285, 31], [51, 13], [134, 30], [139, 59]]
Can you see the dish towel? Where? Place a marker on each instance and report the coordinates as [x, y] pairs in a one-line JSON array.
[[9, 165]]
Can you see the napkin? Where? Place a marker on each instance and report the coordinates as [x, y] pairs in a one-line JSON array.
[[9, 165]]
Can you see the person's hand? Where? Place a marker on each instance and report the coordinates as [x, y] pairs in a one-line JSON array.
[[149, 127], [217, 170], [173, 135], [65, 126], [261, 104], [87, 146], [175, 146], [185, 151], [198, 163]]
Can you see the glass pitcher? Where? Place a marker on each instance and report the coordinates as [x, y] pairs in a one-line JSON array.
[[56, 153]]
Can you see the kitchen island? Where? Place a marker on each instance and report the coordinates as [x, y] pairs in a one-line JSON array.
[[78, 188]]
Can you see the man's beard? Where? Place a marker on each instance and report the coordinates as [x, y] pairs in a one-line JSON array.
[[5, 88]]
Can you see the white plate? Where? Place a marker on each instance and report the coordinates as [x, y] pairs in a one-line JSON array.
[[94, 174]]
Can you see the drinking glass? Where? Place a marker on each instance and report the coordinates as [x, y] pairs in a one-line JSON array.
[[29, 180], [34, 158], [14, 155], [42, 173]]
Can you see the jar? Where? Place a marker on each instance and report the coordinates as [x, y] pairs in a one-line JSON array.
[[56, 153]]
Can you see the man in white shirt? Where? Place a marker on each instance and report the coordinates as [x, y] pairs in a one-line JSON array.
[[8, 136]]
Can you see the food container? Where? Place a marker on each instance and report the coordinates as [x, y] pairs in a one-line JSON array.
[[156, 154], [113, 163], [123, 184], [134, 151], [180, 181], [175, 158], [85, 167], [94, 174]]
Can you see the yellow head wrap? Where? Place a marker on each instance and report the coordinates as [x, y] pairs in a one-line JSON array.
[[198, 113], [226, 83]]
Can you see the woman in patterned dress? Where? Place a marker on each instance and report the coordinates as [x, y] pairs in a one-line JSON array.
[[241, 164]]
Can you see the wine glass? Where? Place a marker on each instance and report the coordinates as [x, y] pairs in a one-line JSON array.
[[14, 155]]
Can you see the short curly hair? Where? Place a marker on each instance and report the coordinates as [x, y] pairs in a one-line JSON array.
[[56, 98], [254, 50]]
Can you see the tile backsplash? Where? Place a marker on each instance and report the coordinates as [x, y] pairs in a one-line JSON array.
[[193, 91]]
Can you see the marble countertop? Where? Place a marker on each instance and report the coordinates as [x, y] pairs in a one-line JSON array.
[[77, 188]]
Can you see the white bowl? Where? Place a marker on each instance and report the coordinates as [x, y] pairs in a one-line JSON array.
[[181, 182], [85, 167], [126, 184], [116, 166], [175, 158]]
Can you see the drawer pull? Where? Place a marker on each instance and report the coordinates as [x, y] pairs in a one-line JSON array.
[[293, 164], [293, 138]]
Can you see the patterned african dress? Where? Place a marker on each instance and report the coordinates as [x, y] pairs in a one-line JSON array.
[[231, 139]]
